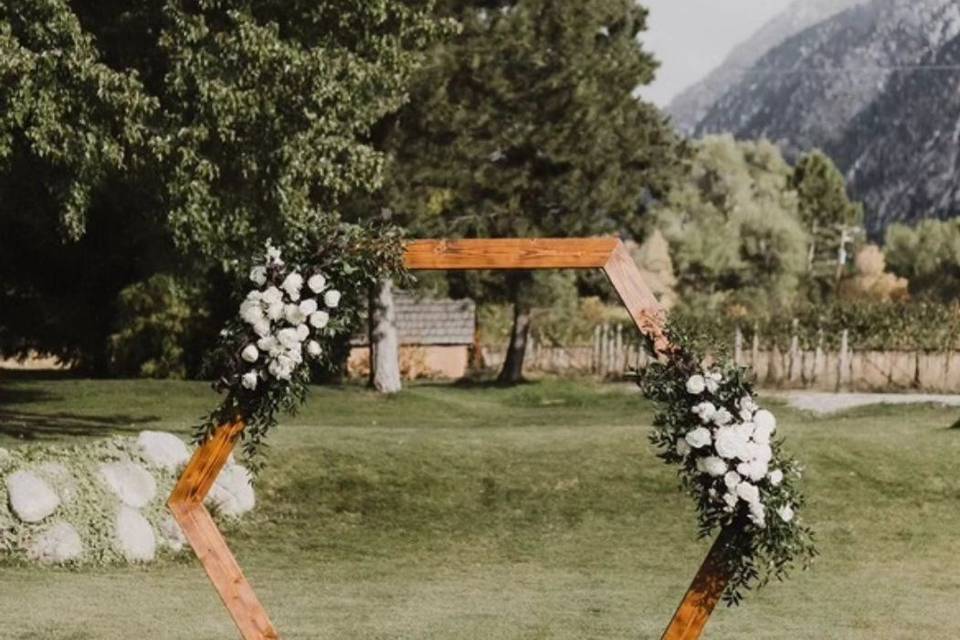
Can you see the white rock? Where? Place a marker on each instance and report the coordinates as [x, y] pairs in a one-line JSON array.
[[163, 450], [31, 498], [61, 479], [134, 537], [130, 482], [171, 534], [57, 544], [232, 494]]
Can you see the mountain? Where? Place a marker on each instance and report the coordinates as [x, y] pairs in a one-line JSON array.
[[875, 86], [691, 105]]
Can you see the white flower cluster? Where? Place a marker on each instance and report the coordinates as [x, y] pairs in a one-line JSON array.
[[733, 451], [285, 319]]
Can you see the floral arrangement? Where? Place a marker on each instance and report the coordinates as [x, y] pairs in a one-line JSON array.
[[298, 310], [732, 463]]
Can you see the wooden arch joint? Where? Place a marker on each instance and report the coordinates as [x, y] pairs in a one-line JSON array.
[[608, 254]]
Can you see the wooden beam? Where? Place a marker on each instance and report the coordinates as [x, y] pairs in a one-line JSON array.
[[703, 595], [609, 254], [540, 253], [186, 505]]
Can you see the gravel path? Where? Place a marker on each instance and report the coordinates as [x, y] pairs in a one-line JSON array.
[[824, 403]]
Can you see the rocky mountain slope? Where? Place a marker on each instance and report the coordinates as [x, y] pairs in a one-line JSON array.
[[690, 106], [876, 87]]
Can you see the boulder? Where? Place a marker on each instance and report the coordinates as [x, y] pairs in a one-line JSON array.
[[31, 498], [171, 534], [130, 482], [59, 543], [61, 479], [163, 450], [232, 494], [134, 536]]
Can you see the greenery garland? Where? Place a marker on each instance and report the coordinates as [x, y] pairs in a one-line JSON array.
[[303, 305], [729, 460]]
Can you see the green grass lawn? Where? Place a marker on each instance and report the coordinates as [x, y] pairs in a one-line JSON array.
[[483, 513]]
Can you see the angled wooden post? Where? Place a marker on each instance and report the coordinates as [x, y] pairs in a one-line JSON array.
[[608, 254]]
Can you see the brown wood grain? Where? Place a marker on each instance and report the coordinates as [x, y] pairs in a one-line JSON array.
[[186, 505], [703, 595], [534, 253], [235, 591], [647, 313]]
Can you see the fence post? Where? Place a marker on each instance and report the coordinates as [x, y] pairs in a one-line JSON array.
[[620, 362], [795, 367], [595, 351], [843, 365], [755, 347]]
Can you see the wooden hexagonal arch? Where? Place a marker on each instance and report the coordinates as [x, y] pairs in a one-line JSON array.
[[608, 254]]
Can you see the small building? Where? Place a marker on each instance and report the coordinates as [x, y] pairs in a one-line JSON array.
[[436, 337]]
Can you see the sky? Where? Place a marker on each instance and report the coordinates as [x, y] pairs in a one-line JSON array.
[[691, 37]]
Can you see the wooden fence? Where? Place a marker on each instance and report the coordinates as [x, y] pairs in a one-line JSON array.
[[614, 351]]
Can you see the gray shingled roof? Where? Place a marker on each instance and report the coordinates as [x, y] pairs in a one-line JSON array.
[[432, 321]]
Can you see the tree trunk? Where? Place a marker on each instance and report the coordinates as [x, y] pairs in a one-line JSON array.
[[512, 371], [384, 343]]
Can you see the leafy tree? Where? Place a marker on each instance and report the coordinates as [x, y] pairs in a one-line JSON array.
[[928, 255], [174, 136], [733, 227], [527, 124], [829, 217]]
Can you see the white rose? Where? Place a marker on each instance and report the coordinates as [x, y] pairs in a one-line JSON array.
[[262, 327], [258, 275], [712, 382], [747, 403], [699, 437], [269, 344], [313, 349], [249, 380], [786, 513], [293, 314], [683, 447], [731, 479], [275, 310], [308, 306], [319, 319], [765, 420], [288, 337], [250, 353], [756, 470], [317, 283], [712, 465], [759, 452], [706, 411], [748, 492], [730, 443], [303, 332], [776, 477], [331, 298], [696, 384], [272, 295], [730, 498], [745, 429], [722, 417], [296, 353], [292, 285], [251, 311]]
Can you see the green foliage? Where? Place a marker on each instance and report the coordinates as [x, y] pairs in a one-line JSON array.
[[928, 256], [351, 260], [827, 214], [906, 326], [161, 327], [752, 554], [733, 227], [199, 128]]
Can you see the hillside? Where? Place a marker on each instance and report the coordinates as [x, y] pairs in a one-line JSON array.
[[872, 83], [690, 106]]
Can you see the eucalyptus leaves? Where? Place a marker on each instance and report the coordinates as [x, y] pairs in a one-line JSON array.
[[730, 461]]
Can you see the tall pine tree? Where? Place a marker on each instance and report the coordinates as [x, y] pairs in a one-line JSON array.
[[527, 124]]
